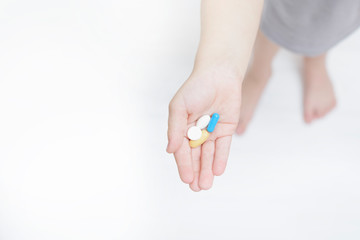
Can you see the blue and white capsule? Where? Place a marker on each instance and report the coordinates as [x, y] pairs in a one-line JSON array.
[[213, 121]]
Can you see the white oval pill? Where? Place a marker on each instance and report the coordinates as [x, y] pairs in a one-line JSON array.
[[203, 121], [194, 133]]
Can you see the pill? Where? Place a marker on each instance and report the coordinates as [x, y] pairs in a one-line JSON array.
[[213, 122], [194, 133], [204, 136], [203, 121]]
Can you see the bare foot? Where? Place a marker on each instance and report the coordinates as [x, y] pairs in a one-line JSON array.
[[256, 79], [253, 86], [319, 96]]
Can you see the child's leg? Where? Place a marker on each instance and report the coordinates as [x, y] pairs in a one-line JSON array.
[[319, 97], [256, 78]]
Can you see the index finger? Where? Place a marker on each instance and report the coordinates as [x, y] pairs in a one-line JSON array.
[[177, 125], [183, 160]]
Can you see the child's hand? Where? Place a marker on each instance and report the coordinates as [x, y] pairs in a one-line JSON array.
[[228, 30], [206, 92]]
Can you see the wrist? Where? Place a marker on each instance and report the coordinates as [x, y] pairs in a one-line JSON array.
[[227, 65]]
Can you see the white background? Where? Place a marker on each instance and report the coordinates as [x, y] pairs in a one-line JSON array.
[[84, 90]]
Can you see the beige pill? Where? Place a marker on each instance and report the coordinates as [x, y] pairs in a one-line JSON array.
[[204, 136]]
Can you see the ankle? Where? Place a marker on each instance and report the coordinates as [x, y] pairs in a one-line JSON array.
[[315, 63], [315, 72]]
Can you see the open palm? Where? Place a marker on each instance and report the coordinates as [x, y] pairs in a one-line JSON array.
[[202, 94]]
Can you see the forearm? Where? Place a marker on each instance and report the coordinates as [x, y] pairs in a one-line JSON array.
[[228, 31]]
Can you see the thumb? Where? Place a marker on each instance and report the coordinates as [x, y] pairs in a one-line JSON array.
[[177, 124]]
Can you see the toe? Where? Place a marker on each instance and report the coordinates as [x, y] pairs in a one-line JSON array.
[[332, 106], [241, 128], [308, 116], [325, 111], [321, 113], [317, 113]]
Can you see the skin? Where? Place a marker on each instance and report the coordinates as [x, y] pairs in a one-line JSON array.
[[319, 96], [228, 31], [256, 79], [318, 93]]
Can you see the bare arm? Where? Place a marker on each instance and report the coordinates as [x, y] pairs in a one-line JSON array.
[[228, 31]]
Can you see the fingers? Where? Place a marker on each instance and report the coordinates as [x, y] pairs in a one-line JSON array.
[[198, 166], [177, 125], [206, 174], [196, 153], [221, 154], [183, 161]]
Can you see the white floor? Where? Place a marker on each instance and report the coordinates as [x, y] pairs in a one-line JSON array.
[[84, 90]]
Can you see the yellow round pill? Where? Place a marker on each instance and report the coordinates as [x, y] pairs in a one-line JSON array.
[[204, 136]]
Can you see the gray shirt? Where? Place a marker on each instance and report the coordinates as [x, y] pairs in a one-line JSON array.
[[309, 27]]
